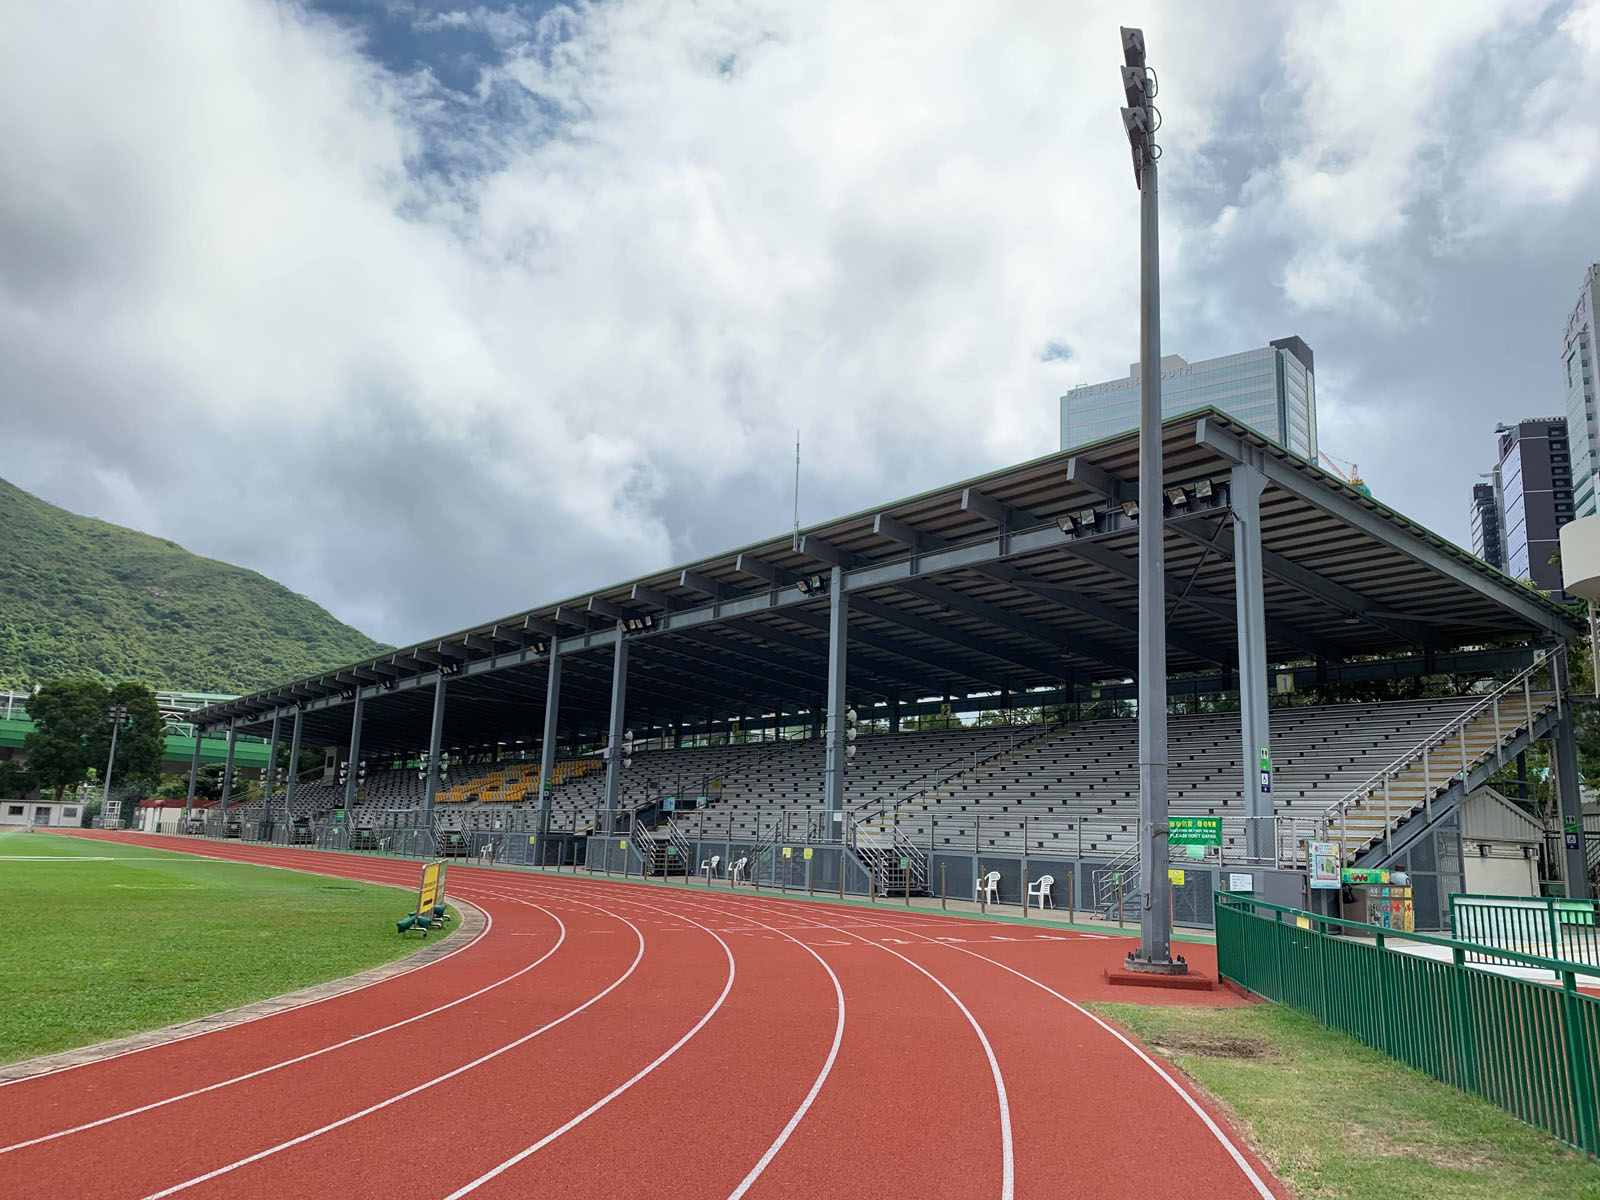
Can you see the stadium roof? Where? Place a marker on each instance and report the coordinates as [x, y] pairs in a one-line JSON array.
[[1019, 579]]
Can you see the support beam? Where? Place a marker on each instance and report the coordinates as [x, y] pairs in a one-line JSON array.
[[1202, 531], [271, 784], [194, 776], [838, 662], [547, 746], [1219, 606], [775, 576], [999, 514], [654, 596], [435, 741], [294, 765], [1569, 791], [1337, 501], [1255, 745], [602, 607], [352, 773], [827, 552], [1099, 481], [227, 767], [615, 727], [703, 584], [1058, 642], [951, 637]]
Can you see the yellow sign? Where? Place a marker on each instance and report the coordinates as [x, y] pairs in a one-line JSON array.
[[806, 853], [1175, 878], [530, 841], [1303, 922], [788, 851], [428, 894], [623, 844]]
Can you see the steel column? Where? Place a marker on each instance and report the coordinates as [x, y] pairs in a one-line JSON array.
[[838, 642], [619, 709], [293, 779], [435, 738], [547, 745], [1155, 921], [227, 765], [194, 775], [1569, 794], [272, 768], [1245, 487], [353, 766]]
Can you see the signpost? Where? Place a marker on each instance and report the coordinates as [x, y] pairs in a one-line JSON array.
[[1325, 864], [1194, 831], [428, 893]]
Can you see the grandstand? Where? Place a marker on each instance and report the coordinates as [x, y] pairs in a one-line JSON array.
[[781, 693]]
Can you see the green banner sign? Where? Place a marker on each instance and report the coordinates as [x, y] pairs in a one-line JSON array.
[[1194, 831]]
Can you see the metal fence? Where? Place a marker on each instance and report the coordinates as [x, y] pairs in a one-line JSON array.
[[1529, 1047], [1546, 926]]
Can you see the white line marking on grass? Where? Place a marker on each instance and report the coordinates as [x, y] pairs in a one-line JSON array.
[[488, 924], [289, 1062]]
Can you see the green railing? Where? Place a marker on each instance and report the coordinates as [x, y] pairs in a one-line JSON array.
[[1531, 1048], [1546, 926]]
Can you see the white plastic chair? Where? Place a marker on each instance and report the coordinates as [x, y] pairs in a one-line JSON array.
[[989, 887], [736, 871], [711, 864], [1040, 887]]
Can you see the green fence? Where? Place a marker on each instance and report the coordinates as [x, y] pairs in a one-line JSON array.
[[1532, 1048], [1548, 926]]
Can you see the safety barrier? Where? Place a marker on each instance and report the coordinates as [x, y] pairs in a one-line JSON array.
[[1548, 926], [1529, 1047]]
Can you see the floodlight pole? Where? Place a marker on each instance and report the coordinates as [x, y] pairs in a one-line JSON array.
[[1155, 923], [117, 715]]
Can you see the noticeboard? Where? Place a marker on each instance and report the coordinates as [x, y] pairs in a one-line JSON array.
[[1325, 864], [1194, 831]]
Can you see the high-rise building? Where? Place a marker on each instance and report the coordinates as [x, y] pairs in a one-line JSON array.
[[1578, 375], [1533, 484], [1486, 542], [1272, 390]]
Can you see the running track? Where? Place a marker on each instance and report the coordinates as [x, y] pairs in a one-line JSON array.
[[604, 1039]]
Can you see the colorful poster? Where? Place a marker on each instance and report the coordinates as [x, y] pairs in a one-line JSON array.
[[1324, 864]]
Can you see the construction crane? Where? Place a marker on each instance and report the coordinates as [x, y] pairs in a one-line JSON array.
[[1352, 476]]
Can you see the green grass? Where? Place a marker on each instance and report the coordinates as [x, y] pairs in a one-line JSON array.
[[1336, 1119], [96, 950]]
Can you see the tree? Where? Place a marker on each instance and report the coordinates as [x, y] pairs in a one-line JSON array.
[[15, 780], [141, 740], [67, 714]]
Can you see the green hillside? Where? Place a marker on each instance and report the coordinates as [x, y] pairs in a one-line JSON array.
[[82, 598]]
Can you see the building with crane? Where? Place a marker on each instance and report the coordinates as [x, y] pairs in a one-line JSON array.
[[1347, 471], [1271, 389]]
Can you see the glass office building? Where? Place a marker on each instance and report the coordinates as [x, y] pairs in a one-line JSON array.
[[1534, 478], [1486, 540], [1272, 390], [1577, 377]]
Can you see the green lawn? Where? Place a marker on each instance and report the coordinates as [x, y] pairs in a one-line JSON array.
[[98, 949], [1339, 1120]]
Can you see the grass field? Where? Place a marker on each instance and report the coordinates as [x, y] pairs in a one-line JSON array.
[[145, 938], [1339, 1120]]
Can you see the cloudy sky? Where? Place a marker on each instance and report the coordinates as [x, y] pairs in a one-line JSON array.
[[434, 313]]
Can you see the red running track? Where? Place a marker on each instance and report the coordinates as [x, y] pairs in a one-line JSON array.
[[603, 1038]]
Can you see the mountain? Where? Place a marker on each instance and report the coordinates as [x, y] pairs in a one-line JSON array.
[[84, 599]]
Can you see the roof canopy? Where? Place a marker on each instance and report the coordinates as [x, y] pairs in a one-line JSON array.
[[1020, 579]]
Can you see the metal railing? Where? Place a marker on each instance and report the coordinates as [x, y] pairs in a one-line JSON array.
[[1333, 816], [1531, 1048], [1545, 926]]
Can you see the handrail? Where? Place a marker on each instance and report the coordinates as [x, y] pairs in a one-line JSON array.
[[1558, 965], [1353, 798]]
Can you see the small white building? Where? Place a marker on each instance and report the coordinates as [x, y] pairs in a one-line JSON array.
[[1499, 846], [40, 813]]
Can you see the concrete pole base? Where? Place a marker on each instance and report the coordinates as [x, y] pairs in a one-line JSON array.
[[1144, 966]]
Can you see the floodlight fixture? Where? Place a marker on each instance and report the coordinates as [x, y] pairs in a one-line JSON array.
[[1131, 508], [1202, 489], [1133, 47], [1066, 524], [1177, 497], [804, 584], [1088, 516], [1136, 86]]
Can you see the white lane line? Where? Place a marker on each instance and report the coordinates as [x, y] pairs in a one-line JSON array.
[[488, 924], [1007, 1166], [421, 1087], [608, 1097], [1227, 1143], [289, 1062]]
